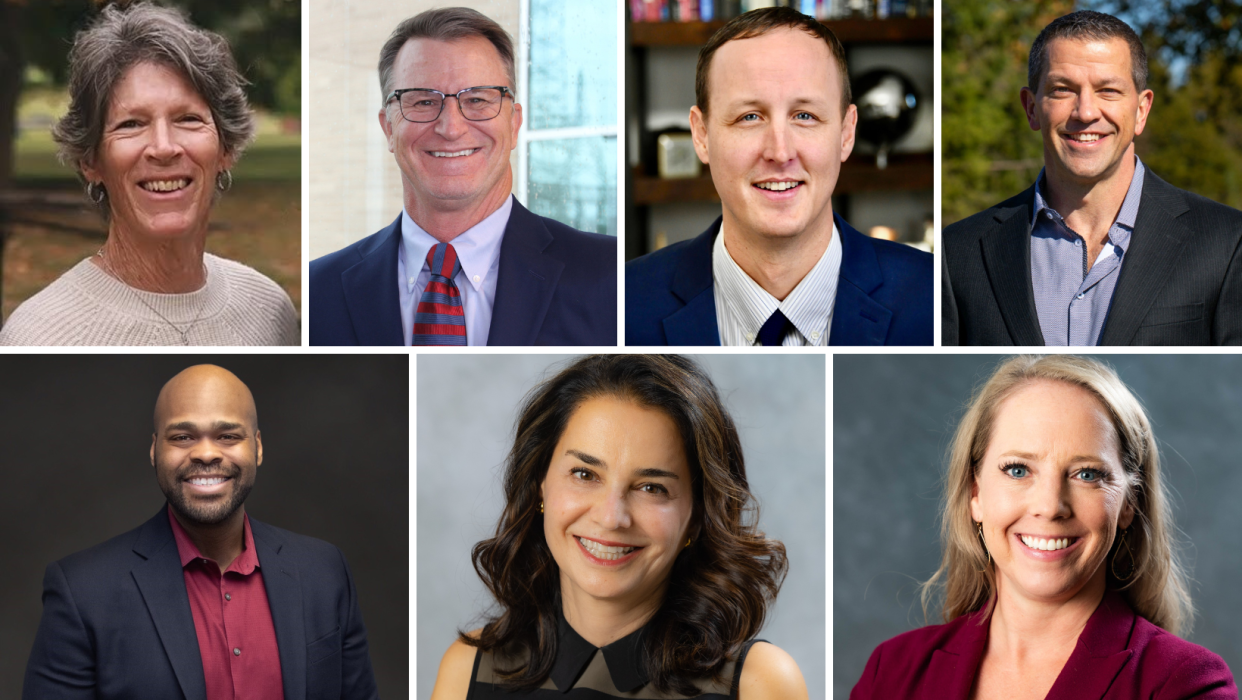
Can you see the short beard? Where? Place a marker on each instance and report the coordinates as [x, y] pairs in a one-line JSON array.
[[206, 515]]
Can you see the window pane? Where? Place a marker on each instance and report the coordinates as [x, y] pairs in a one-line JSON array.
[[573, 65], [575, 182]]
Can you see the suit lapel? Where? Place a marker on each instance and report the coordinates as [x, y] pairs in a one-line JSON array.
[[284, 597], [161, 582], [694, 323], [1155, 245], [1007, 259], [857, 319], [1100, 653], [370, 288], [526, 282]]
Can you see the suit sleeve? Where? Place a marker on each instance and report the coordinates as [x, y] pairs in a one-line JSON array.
[[62, 662], [357, 678], [1228, 322]]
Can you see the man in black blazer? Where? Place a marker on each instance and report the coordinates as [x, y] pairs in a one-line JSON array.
[[451, 119], [202, 602], [1100, 250]]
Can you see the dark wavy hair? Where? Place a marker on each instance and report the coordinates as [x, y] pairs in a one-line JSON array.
[[720, 586]]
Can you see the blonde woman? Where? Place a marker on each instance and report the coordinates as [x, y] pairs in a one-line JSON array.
[[1059, 574]]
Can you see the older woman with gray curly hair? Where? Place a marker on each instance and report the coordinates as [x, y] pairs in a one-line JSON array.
[[158, 117]]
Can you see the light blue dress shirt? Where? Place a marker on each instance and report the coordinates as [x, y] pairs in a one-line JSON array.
[[1071, 300], [478, 249]]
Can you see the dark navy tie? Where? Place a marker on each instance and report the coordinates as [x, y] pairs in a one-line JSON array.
[[774, 328]]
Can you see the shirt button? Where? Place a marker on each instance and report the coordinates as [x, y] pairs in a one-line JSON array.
[[1080, 295], [412, 280], [814, 335], [476, 279], [750, 337], [1048, 214], [228, 596], [1078, 243], [236, 651]]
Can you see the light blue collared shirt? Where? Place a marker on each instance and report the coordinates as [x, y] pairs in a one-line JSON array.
[[478, 249], [1071, 300]]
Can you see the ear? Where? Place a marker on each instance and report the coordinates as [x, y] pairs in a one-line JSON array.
[[517, 123], [258, 441], [89, 172], [1127, 515], [1144, 108], [386, 125], [976, 506], [227, 161], [848, 126], [1028, 106], [698, 131], [154, 437]]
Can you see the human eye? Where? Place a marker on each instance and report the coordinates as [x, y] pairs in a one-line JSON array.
[[126, 124], [751, 117], [1091, 475], [582, 474], [805, 117], [654, 489], [1016, 471]]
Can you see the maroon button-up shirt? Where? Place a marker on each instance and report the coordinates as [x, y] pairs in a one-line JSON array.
[[236, 637]]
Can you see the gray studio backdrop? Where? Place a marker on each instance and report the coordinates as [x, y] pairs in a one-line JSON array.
[[893, 419], [467, 405], [75, 431]]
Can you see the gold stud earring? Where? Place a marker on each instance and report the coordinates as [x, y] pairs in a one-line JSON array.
[[540, 506], [688, 541]]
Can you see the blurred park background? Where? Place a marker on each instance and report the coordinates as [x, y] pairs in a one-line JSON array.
[[46, 223], [1194, 132]]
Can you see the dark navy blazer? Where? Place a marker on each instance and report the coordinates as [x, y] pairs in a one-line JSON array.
[[556, 286], [884, 293], [117, 622], [1118, 655]]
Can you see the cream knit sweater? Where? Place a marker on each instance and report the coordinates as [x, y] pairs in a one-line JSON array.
[[87, 306]]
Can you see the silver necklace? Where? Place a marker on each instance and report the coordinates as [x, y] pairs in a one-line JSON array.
[[185, 334]]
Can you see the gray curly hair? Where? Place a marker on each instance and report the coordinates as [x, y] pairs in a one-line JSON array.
[[121, 38]]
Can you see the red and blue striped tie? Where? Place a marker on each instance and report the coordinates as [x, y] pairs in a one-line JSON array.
[[439, 318]]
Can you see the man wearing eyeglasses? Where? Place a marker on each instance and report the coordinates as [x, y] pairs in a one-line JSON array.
[[465, 263]]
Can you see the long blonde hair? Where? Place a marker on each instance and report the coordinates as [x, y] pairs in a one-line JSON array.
[[1158, 589]]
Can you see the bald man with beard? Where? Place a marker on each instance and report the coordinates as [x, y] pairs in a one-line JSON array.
[[202, 601]]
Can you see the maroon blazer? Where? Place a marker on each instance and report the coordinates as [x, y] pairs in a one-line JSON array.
[[1119, 655]]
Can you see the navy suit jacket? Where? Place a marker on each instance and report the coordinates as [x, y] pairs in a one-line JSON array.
[[556, 286], [117, 622], [884, 293]]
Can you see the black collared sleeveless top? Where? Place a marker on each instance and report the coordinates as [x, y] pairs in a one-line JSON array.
[[582, 671]]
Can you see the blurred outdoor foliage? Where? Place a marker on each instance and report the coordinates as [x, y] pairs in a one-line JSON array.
[[1193, 137]]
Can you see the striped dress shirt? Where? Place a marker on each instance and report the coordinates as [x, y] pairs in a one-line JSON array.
[[1072, 300], [742, 306]]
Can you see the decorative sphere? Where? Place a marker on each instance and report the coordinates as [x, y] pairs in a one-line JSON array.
[[887, 102]]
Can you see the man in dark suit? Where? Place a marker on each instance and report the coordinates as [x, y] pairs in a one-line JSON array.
[[778, 268], [465, 263], [202, 602], [1099, 251]]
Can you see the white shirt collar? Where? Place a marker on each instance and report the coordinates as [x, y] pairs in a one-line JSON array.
[[478, 247], [808, 307]]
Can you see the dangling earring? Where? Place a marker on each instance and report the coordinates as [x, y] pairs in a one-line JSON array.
[[95, 192], [1125, 542], [984, 543], [224, 180], [540, 506]]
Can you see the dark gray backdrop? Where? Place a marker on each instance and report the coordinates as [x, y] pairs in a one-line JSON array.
[[466, 408], [75, 431], [893, 419]]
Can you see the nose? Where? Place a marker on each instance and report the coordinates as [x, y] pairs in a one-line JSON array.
[[1085, 109], [777, 143], [205, 451], [451, 124], [163, 144], [1049, 499], [612, 511]]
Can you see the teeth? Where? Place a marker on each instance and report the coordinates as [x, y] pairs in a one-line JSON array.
[[1045, 545], [207, 481], [455, 154], [1084, 138], [165, 185], [599, 551], [777, 186]]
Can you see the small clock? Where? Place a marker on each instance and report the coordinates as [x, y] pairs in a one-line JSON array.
[[676, 157]]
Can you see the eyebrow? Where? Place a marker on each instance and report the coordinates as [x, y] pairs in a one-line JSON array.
[[649, 472], [218, 426], [1032, 456]]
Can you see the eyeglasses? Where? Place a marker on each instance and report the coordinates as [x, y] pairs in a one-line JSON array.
[[477, 104]]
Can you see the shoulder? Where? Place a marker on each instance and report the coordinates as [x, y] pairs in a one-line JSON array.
[[899, 666], [1180, 667], [593, 245], [256, 287], [456, 670], [975, 225], [1209, 215], [770, 672], [661, 264], [53, 316], [107, 564], [261, 311], [338, 261], [319, 561], [898, 259]]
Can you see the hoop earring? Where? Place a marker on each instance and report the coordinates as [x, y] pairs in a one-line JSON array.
[[984, 543], [1125, 541], [224, 180], [95, 192]]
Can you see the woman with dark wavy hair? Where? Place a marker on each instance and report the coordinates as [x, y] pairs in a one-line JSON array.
[[627, 530]]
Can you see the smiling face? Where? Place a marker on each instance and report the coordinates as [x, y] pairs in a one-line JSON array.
[[1088, 109], [452, 164], [618, 500], [206, 449], [774, 137], [1050, 492], [159, 155]]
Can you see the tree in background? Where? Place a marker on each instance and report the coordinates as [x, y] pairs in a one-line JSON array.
[[265, 35]]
